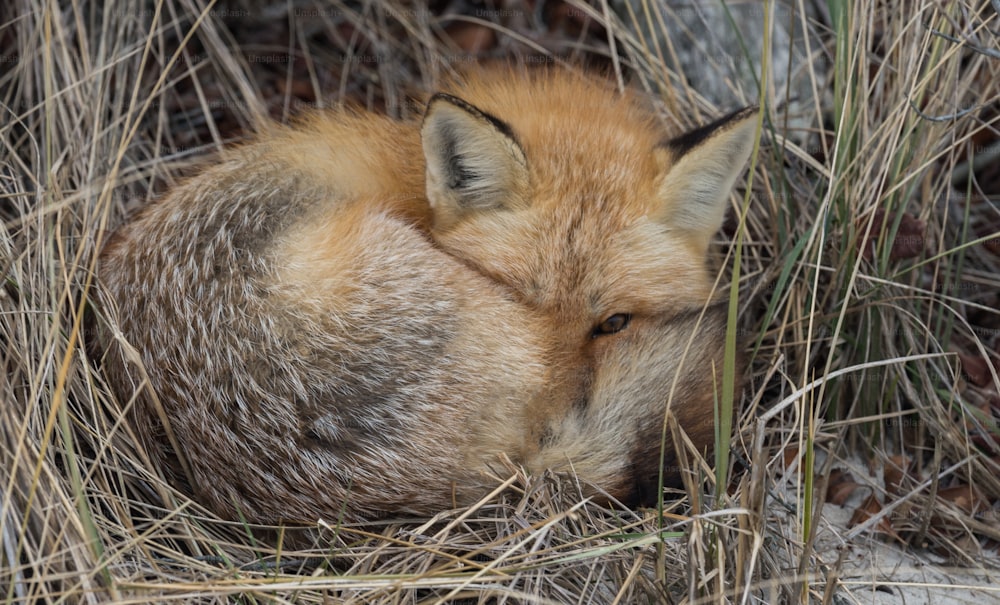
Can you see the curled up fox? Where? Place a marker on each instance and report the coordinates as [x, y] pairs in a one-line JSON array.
[[359, 316]]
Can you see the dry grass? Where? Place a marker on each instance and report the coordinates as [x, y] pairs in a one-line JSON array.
[[884, 129]]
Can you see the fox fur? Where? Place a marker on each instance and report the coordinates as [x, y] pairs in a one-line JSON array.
[[358, 316]]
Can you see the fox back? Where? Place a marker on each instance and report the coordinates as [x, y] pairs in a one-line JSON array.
[[358, 316]]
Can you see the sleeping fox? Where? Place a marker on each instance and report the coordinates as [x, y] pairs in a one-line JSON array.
[[359, 316]]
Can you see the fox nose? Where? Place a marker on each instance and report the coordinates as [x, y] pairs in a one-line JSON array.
[[643, 491], [643, 484]]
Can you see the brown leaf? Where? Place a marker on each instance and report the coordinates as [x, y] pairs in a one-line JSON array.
[[993, 233], [864, 512], [840, 493], [895, 471], [868, 509], [975, 369], [570, 20], [986, 441], [909, 240], [790, 455], [965, 497], [300, 88], [472, 38], [840, 487], [966, 542]]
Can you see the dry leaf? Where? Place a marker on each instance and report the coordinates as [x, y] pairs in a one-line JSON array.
[[790, 455], [909, 240], [975, 369], [965, 497], [568, 20], [472, 38], [895, 471], [868, 509], [993, 233], [840, 487]]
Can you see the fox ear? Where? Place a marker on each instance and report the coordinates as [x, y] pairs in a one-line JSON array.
[[701, 168], [474, 162]]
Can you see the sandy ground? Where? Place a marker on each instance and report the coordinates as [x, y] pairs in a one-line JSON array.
[[882, 572]]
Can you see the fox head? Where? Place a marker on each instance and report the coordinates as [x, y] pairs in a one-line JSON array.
[[617, 216], [574, 198]]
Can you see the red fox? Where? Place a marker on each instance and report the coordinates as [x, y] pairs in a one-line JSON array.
[[358, 316]]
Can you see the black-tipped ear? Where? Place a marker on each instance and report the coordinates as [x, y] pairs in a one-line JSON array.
[[701, 167], [474, 162], [689, 140]]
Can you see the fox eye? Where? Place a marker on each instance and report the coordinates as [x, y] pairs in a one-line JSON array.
[[614, 323]]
